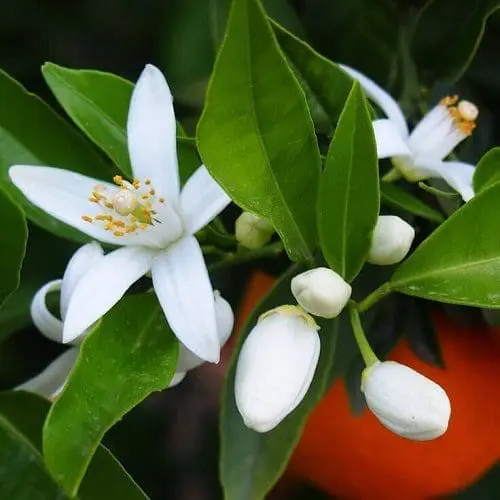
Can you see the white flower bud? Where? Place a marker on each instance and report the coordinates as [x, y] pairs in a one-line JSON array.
[[252, 231], [276, 366], [405, 402], [321, 292], [391, 241]]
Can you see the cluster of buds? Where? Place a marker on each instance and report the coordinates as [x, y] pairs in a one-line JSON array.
[[279, 357]]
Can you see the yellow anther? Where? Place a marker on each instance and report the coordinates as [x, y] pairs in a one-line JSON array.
[[449, 100], [119, 223], [118, 233], [161, 200], [93, 200], [144, 196], [108, 204], [118, 179], [109, 226], [87, 218], [152, 191], [144, 226], [103, 217], [147, 182], [131, 228], [136, 183], [98, 196]]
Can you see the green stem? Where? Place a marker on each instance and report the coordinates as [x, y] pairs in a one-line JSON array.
[[231, 259], [393, 175], [369, 357], [374, 297]]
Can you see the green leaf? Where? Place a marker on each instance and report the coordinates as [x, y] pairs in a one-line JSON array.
[[22, 474], [348, 201], [256, 136], [13, 245], [252, 462], [32, 134], [105, 478], [487, 171], [98, 103], [447, 36], [399, 198], [129, 355], [460, 262], [327, 82]]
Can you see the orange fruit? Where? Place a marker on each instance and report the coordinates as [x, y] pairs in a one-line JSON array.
[[354, 457]]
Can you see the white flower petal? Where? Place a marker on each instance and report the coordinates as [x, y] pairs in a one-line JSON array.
[[384, 100], [177, 379], [81, 261], [225, 322], [275, 368], [389, 140], [202, 199], [65, 196], [43, 319], [52, 379], [103, 286], [182, 284], [151, 132], [457, 174]]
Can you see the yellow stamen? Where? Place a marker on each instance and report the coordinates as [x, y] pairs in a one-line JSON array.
[[118, 179], [463, 113], [87, 218], [118, 233]]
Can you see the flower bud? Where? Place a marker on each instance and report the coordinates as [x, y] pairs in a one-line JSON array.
[[321, 292], [276, 366], [405, 402], [252, 231], [391, 240]]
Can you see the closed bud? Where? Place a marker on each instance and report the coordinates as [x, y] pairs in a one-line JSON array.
[[276, 366], [405, 402], [252, 231], [321, 292], [391, 240]]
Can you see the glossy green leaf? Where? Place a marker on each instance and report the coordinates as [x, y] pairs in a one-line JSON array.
[[447, 36], [348, 201], [327, 82], [129, 355], [13, 245], [487, 171], [32, 134], [22, 472], [460, 262], [252, 462], [98, 103], [105, 478], [256, 136], [397, 197]]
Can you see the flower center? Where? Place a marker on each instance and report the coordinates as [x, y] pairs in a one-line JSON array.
[[127, 210], [464, 113]]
